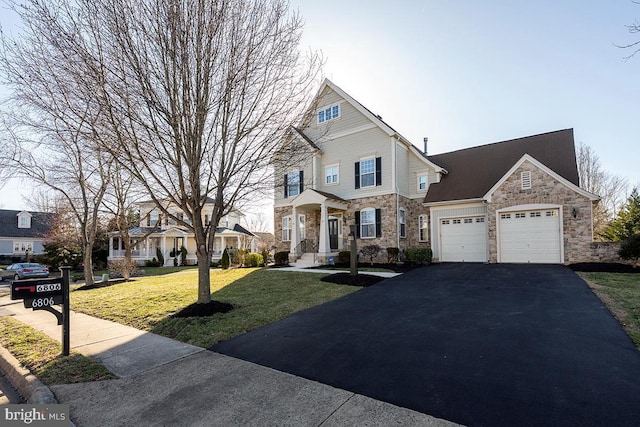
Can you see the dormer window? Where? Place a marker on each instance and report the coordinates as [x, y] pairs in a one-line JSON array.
[[329, 113], [24, 220], [423, 182]]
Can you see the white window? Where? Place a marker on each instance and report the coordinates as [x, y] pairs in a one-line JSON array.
[[329, 113], [154, 218], [422, 182], [293, 183], [468, 220], [423, 230], [480, 219], [402, 219], [301, 227], [20, 247], [286, 229], [368, 172], [457, 221], [24, 221], [332, 174], [521, 215], [552, 213], [535, 214], [505, 216], [368, 223], [446, 222], [525, 178]]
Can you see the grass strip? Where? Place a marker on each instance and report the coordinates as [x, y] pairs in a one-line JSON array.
[[41, 355], [620, 292]]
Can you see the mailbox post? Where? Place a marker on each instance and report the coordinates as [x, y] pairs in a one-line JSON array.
[[43, 294]]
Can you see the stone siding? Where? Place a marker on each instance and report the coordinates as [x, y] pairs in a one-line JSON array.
[[389, 222], [578, 233]]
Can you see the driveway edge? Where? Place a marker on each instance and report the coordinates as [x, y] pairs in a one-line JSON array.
[[27, 384]]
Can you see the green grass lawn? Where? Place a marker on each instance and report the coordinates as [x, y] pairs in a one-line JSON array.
[[621, 294], [260, 296], [41, 355]]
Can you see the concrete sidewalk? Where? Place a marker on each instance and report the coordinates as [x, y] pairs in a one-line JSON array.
[[166, 382]]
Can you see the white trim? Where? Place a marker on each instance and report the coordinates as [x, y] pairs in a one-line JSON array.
[[529, 207], [554, 175], [418, 176], [329, 107], [329, 184], [332, 136], [425, 221], [374, 223], [450, 217]]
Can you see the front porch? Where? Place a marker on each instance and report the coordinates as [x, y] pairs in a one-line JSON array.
[[317, 229]]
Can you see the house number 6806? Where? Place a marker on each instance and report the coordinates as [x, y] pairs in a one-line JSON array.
[[43, 302]]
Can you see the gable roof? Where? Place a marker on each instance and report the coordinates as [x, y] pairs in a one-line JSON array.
[[474, 171], [374, 118], [40, 224]]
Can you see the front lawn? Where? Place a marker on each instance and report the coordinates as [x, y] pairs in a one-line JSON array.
[[620, 292], [259, 297]]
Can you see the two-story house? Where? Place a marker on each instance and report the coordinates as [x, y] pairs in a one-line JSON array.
[[23, 232], [158, 231], [357, 172]]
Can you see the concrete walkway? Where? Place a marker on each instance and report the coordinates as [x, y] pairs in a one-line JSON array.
[[166, 382]]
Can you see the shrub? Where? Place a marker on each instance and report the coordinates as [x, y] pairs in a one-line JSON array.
[[123, 266], [418, 256], [630, 247], [237, 256], [265, 256], [224, 261], [152, 263], [392, 255], [370, 251], [344, 257], [281, 258], [183, 256], [214, 264], [253, 260], [160, 256], [175, 261]]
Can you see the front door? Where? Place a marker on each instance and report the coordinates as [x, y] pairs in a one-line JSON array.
[[333, 234]]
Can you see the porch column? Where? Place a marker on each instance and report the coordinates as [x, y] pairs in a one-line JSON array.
[[223, 244], [146, 247], [238, 243], [295, 240], [110, 246], [323, 244], [163, 248]]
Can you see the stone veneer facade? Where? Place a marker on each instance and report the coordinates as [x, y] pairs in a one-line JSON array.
[[389, 205], [577, 232]]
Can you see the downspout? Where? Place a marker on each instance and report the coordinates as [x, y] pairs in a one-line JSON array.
[[395, 186]]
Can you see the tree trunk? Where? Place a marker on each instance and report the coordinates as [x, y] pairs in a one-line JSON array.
[[204, 274], [88, 264]]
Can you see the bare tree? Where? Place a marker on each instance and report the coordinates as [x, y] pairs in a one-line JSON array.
[[191, 97], [51, 131], [633, 28], [611, 188]]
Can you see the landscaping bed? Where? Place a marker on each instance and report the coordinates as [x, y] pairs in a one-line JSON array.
[[362, 280]]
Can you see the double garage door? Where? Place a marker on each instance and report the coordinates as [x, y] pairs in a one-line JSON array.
[[531, 236]]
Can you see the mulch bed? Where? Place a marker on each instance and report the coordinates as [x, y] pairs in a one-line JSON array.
[[363, 280], [204, 310], [601, 267], [396, 268], [97, 285]]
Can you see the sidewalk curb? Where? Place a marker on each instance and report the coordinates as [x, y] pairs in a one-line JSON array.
[[27, 384]]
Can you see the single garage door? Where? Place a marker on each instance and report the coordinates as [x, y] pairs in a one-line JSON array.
[[463, 239], [530, 236]]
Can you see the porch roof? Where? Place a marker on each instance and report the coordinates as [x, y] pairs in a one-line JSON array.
[[316, 197]]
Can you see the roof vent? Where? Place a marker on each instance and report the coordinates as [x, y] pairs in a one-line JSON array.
[[425, 141]]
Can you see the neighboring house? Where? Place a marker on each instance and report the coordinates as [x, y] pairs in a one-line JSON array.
[[22, 232], [513, 201], [158, 232]]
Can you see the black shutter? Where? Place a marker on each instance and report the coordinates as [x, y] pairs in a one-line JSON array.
[[378, 222], [286, 188], [357, 223], [357, 177], [301, 176], [378, 170]]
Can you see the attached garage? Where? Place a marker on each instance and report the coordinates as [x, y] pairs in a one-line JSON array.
[[530, 236], [463, 239]]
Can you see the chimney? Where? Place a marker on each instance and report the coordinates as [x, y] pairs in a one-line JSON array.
[[425, 140]]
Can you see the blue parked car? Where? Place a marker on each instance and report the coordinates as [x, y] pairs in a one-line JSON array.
[[24, 270]]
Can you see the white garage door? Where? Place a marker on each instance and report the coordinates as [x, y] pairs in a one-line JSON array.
[[530, 236], [463, 239]]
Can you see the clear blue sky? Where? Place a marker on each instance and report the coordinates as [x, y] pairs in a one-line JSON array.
[[466, 73]]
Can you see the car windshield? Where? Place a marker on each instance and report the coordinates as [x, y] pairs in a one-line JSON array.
[[31, 265]]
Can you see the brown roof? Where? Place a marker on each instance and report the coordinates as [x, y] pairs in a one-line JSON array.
[[330, 196], [473, 171]]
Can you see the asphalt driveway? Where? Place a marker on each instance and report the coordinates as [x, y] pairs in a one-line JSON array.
[[471, 343]]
